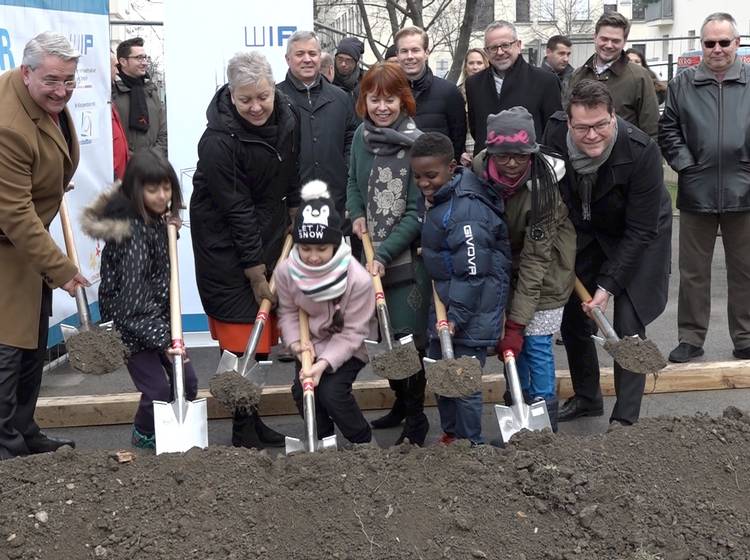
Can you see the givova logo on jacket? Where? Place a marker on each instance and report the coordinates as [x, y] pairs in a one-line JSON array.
[[471, 251]]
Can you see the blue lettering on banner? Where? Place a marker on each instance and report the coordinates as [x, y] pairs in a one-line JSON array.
[[260, 35], [5, 54], [82, 42]]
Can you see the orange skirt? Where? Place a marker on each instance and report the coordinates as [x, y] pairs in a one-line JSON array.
[[234, 336]]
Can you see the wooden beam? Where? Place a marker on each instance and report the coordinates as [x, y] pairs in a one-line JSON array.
[[97, 410]]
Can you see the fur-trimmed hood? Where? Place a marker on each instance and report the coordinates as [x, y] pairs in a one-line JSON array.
[[110, 217]]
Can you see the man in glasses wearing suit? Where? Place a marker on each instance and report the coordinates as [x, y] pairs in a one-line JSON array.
[[704, 136]]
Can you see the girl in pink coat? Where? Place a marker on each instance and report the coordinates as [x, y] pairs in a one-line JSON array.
[[321, 277]]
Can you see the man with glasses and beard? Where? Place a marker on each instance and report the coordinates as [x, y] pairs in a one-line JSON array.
[[704, 135], [38, 156], [622, 213], [137, 99], [508, 82]]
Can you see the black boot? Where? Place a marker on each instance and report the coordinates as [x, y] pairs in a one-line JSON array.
[[415, 429], [394, 417], [244, 431], [267, 436]]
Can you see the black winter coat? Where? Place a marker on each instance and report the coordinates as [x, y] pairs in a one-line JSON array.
[[134, 288], [527, 86], [466, 250], [246, 180], [327, 125], [631, 218], [440, 108]]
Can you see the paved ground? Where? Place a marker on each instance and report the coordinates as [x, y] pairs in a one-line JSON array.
[[63, 381]]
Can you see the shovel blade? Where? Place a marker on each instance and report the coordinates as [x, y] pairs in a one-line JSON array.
[[521, 416], [68, 331], [295, 445], [228, 362], [399, 362], [173, 436]]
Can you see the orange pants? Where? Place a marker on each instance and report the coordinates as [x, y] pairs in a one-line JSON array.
[[234, 336]]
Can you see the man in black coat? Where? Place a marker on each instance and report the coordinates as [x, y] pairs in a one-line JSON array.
[[327, 119], [509, 82], [440, 106], [622, 213]]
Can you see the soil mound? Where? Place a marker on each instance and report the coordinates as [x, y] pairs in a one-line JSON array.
[[668, 489]]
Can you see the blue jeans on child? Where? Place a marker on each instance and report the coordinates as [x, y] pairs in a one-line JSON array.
[[536, 367], [151, 371], [461, 417]]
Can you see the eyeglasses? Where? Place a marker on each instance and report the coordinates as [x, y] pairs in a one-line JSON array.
[[723, 43], [140, 57], [505, 158], [599, 128], [54, 84], [505, 47]]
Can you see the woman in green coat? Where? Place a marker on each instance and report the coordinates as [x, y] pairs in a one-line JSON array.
[[382, 199]]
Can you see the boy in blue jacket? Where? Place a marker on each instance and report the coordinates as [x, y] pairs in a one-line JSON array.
[[466, 250]]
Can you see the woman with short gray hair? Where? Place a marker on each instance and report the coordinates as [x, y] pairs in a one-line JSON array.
[[244, 189]]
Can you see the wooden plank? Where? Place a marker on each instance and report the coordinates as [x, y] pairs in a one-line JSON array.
[[97, 410]]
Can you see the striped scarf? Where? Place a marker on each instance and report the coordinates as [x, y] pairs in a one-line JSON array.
[[321, 283]]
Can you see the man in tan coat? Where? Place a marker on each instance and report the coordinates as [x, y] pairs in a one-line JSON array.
[[38, 156]]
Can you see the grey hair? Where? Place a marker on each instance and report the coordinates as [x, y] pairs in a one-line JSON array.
[[249, 68], [502, 24], [721, 16], [326, 61], [48, 43], [301, 36]]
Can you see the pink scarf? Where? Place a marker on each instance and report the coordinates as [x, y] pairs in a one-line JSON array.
[[509, 186]]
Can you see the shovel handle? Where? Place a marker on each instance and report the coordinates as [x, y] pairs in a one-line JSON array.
[[599, 318], [175, 315], [444, 333], [512, 376], [304, 338], [82, 302], [370, 258]]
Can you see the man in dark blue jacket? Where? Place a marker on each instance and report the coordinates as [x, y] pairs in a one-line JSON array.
[[466, 251], [440, 106]]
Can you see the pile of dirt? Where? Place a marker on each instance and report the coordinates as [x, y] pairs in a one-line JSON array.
[[235, 392], [96, 352], [454, 378], [668, 488]]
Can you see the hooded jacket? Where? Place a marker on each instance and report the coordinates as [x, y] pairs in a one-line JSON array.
[[704, 134], [246, 179], [466, 251], [543, 258], [134, 288]]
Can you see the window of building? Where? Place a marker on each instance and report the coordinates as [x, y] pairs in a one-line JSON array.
[[580, 10], [484, 14], [608, 8], [691, 40], [639, 10], [547, 10], [523, 11], [665, 47]]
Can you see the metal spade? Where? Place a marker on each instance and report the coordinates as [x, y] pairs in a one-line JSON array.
[[181, 424], [246, 366], [389, 359], [633, 353], [311, 442], [519, 416], [450, 377]]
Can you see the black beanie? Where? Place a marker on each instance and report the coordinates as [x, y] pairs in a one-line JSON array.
[[317, 221], [390, 51], [351, 46]]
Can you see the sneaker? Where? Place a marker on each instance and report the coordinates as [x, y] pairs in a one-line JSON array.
[[684, 353], [142, 441], [446, 439]]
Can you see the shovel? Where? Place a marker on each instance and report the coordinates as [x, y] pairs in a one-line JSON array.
[[91, 349], [632, 352], [389, 359], [182, 424], [311, 443], [519, 416], [451, 377], [239, 373]]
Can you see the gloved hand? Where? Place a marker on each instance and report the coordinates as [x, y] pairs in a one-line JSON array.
[[512, 339], [257, 277]]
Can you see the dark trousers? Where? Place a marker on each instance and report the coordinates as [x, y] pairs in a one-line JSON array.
[[576, 331], [335, 403], [151, 371], [697, 242], [20, 380]]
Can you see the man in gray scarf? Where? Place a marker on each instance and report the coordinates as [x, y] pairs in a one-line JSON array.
[[622, 213]]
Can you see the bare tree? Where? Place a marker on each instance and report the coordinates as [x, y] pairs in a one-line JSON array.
[[565, 17]]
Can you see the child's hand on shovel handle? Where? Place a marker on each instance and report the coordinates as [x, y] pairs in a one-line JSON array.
[[600, 300], [315, 372], [297, 348]]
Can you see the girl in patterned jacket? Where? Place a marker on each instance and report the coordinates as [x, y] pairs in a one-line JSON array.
[[134, 292]]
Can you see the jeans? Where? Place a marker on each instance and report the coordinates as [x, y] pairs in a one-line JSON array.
[[536, 367], [460, 416]]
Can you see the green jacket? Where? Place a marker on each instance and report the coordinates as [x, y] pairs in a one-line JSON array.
[[543, 268]]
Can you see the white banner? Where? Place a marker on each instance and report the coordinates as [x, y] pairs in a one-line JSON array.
[[200, 37], [86, 24]]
